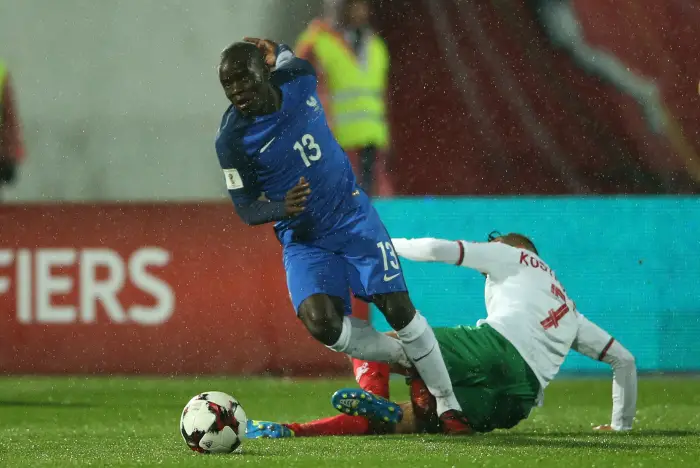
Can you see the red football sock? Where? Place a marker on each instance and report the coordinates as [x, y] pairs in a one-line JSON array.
[[373, 377], [340, 425]]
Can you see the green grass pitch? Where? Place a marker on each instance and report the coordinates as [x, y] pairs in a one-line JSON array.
[[99, 421]]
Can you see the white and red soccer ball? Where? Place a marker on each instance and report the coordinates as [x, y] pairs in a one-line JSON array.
[[213, 422]]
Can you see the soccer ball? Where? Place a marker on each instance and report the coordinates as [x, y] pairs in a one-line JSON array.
[[213, 422]]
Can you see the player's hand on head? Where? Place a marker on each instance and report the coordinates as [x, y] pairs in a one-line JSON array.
[[296, 197], [267, 47]]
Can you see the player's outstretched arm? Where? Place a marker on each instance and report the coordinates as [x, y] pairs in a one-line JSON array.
[[596, 343], [428, 250], [488, 258]]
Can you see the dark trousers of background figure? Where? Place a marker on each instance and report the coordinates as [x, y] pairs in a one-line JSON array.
[[368, 159], [7, 173], [371, 167]]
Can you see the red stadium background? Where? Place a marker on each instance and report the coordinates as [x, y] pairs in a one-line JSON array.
[[219, 304], [483, 104]]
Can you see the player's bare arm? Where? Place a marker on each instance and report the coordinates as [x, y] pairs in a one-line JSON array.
[[258, 211], [267, 47], [297, 197]]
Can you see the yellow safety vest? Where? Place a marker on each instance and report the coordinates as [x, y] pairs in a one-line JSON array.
[[356, 90]]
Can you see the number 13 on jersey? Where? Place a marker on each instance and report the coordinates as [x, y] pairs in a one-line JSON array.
[[307, 142], [390, 260]]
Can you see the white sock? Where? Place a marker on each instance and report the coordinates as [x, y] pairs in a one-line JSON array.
[[422, 348], [359, 340]]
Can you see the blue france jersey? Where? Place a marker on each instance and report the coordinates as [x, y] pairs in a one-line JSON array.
[[267, 155]]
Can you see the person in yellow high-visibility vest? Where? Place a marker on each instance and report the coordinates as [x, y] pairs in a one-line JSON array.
[[11, 148], [352, 63]]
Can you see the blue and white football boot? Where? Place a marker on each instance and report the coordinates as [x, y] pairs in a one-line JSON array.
[[357, 402], [267, 430]]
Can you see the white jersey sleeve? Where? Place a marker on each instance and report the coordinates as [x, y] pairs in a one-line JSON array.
[[429, 250], [492, 258], [524, 300], [596, 343]]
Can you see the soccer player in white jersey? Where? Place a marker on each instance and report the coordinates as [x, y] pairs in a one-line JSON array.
[[500, 368], [528, 307]]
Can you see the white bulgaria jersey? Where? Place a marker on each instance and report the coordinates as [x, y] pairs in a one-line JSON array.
[[526, 304]]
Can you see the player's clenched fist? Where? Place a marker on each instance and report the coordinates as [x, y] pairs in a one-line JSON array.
[[296, 198], [267, 47]]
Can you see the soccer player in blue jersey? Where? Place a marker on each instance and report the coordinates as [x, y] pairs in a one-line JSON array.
[[283, 165]]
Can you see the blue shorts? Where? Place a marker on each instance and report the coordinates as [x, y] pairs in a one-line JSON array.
[[359, 258]]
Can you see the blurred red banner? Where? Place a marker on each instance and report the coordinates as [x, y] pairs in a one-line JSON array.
[[153, 289], [484, 99]]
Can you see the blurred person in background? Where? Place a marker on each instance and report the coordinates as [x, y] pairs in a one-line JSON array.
[[559, 22], [11, 150], [352, 63]]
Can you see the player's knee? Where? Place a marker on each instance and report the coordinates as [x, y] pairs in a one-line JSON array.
[[397, 308], [322, 318]]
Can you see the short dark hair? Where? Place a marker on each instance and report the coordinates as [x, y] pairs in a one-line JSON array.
[[522, 239], [514, 238], [241, 52]]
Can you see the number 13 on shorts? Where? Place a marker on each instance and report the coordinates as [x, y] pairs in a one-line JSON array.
[[392, 269]]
